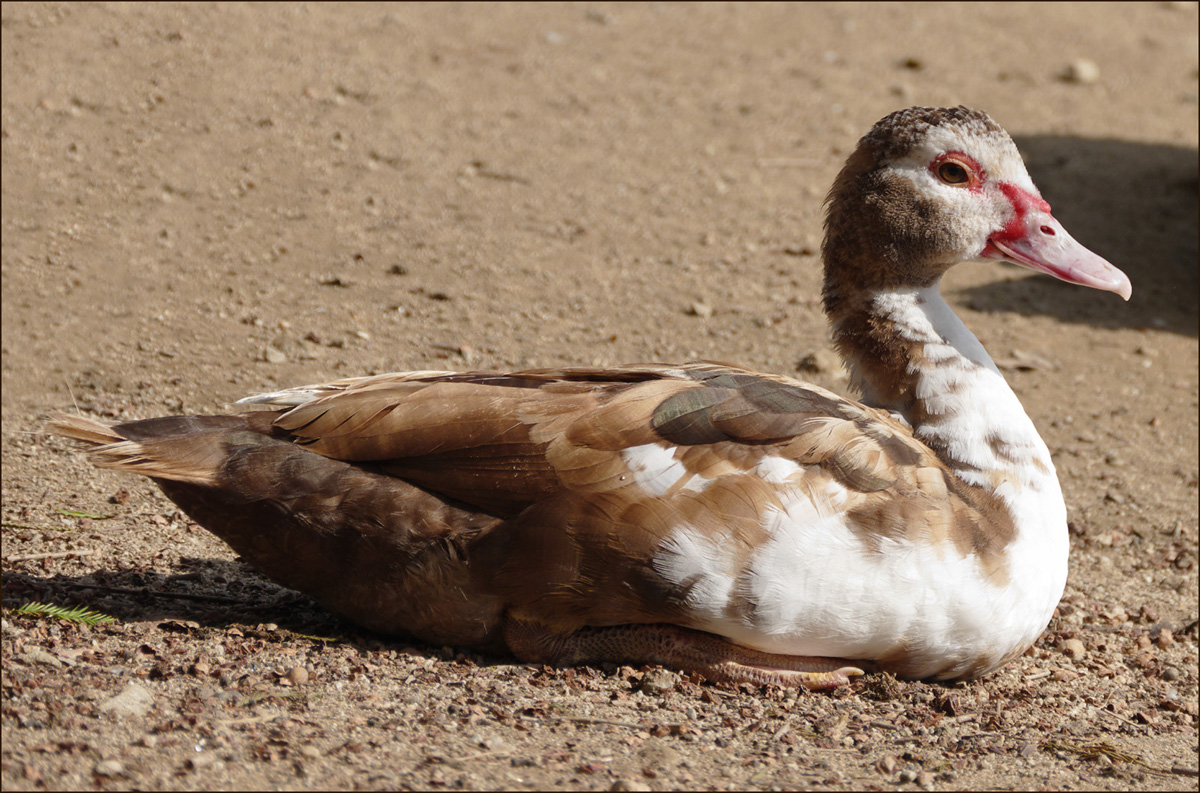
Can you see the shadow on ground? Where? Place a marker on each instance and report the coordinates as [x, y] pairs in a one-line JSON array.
[[1135, 204], [213, 593]]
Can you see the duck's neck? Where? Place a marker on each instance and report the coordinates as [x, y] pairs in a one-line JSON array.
[[910, 354]]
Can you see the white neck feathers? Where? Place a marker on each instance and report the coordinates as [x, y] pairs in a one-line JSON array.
[[959, 403]]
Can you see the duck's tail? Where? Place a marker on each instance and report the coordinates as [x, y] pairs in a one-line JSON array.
[[175, 448], [371, 547]]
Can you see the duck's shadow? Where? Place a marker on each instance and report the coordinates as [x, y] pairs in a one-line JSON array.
[[1137, 205], [211, 593]]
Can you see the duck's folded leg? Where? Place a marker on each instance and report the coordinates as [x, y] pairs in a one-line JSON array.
[[672, 646]]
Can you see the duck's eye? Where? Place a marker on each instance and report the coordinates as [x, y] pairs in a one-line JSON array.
[[951, 172]]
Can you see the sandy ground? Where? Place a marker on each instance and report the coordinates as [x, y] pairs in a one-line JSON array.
[[207, 201]]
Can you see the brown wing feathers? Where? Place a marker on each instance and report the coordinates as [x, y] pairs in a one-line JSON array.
[[502, 442]]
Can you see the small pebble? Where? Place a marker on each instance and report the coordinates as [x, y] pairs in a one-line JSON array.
[[1171, 674], [1065, 675], [907, 775], [628, 784], [1081, 70], [499, 745], [925, 780], [1073, 649], [297, 675], [109, 768], [1165, 638], [658, 682], [699, 309], [886, 764], [132, 701], [36, 655]]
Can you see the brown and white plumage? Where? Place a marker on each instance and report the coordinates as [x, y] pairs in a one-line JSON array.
[[748, 526]]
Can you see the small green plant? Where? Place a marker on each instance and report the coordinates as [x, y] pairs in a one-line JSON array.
[[321, 639], [79, 614], [74, 513]]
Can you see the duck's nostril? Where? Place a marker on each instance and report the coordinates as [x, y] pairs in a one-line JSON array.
[[1048, 231]]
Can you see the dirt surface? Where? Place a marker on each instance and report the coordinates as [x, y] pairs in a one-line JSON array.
[[207, 201]]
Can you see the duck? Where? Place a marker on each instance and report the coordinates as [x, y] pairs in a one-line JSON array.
[[748, 527]]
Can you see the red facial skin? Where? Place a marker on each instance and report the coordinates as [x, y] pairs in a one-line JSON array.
[[1032, 237], [1022, 203]]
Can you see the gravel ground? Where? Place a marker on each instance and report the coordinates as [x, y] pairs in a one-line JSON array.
[[205, 201]]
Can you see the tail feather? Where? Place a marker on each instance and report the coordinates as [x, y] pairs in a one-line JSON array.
[[82, 429], [371, 547], [193, 454]]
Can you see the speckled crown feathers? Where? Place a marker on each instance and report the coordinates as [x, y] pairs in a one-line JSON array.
[[896, 133]]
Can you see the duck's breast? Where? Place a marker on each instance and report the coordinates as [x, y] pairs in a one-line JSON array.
[[885, 575]]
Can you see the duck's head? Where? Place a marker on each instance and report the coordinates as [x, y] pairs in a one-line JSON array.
[[928, 188]]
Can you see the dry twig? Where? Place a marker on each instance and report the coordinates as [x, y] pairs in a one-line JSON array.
[[33, 557]]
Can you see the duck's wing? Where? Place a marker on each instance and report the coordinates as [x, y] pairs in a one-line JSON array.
[[501, 442]]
